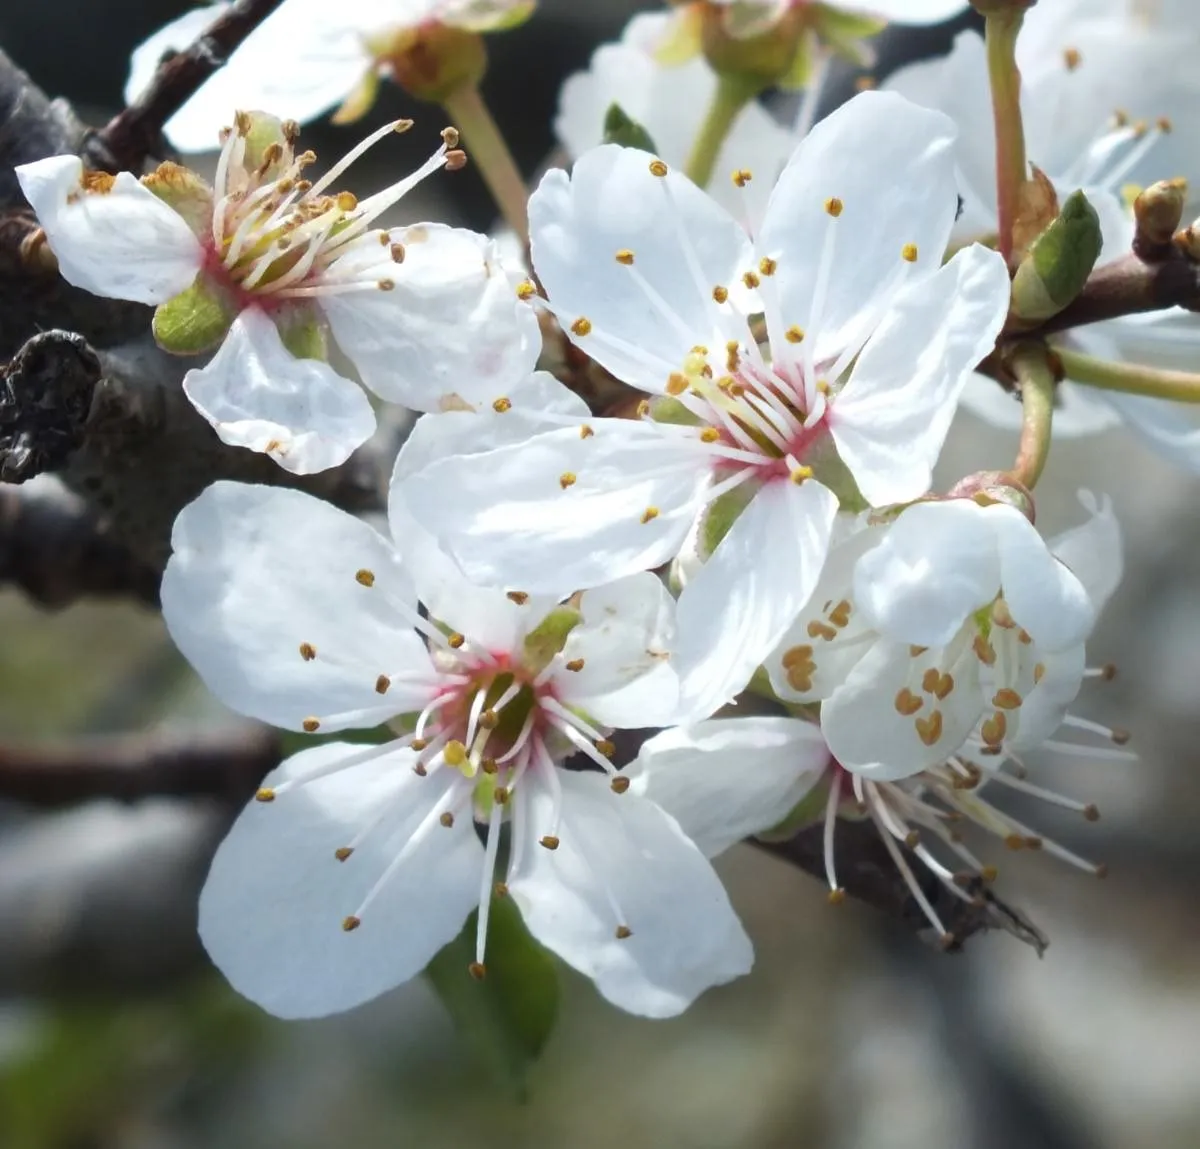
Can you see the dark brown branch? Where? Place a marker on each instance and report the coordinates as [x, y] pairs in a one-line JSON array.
[[52, 548], [125, 142], [229, 765]]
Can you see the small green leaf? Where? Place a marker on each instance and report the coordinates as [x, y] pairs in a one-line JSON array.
[[507, 1016], [195, 320], [620, 129], [1057, 265]]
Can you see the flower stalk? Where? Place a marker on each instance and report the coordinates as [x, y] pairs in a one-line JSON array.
[[1036, 380], [1004, 77], [1132, 378], [489, 151], [732, 94]]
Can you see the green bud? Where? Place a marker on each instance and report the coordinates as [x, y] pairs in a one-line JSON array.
[[195, 320], [182, 190], [1057, 265], [620, 129], [549, 637], [269, 143]]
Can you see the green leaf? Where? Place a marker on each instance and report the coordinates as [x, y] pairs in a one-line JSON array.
[[507, 1016], [620, 129], [1059, 262]]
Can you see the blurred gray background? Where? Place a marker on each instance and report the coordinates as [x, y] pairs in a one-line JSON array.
[[849, 1034]]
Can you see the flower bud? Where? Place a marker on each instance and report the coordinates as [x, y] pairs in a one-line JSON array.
[[986, 487], [1056, 266], [433, 61], [1157, 212], [620, 129], [195, 320]]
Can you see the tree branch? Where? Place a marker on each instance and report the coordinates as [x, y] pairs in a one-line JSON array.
[[229, 764], [125, 142]]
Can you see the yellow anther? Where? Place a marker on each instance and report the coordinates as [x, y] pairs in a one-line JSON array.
[[382, 683], [750, 279], [818, 629], [619, 784], [906, 702], [549, 841], [916, 651], [346, 201], [517, 596], [834, 206], [449, 136], [447, 819], [343, 852], [582, 326], [575, 664], [1091, 812], [351, 923], [677, 383], [567, 479], [1006, 699], [526, 290], [624, 256], [489, 766], [742, 176], [909, 253], [649, 514], [364, 577], [311, 725], [386, 285], [935, 683], [307, 651], [623, 932], [823, 386], [605, 747], [1001, 615], [836, 897], [720, 294], [1024, 637], [797, 654], [501, 405], [456, 755], [767, 266], [710, 435], [501, 795], [455, 640], [658, 168], [984, 651], [489, 719], [585, 432], [794, 334], [1120, 117], [397, 251], [264, 794], [929, 729], [1071, 58], [865, 84], [642, 409], [1039, 671], [500, 889], [477, 970], [800, 474], [840, 615], [1163, 123], [418, 744], [994, 728]]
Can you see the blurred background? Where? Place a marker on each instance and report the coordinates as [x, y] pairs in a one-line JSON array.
[[115, 1033]]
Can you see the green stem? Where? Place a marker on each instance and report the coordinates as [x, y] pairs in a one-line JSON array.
[[1132, 378], [1036, 379], [488, 151], [1005, 80], [732, 95]]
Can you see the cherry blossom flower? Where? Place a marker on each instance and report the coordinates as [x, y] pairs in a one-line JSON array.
[[670, 102], [1080, 64], [307, 57], [266, 266], [869, 339], [955, 626], [355, 863]]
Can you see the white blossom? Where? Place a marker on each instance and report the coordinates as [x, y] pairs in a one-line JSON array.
[[869, 339], [267, 265], [356, 863], [757, 17]]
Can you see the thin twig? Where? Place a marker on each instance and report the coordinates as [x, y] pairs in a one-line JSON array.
[[136, 132]]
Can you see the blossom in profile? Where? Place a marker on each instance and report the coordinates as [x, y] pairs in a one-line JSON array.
[[751, 438], [354, 864], [267, 268], [310, 57]]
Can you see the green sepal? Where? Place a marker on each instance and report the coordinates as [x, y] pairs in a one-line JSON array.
[[195, 320], [266, 131], [303, 333], [182, 190], [507, 1016], [667, 409], [549, 637], [720, 515], [845, 33], [1058, 263], [620, 129]]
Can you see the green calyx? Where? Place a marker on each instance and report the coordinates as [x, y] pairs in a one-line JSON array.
[[1056, 266], [620, 129], [434, 61], [182, 190], [195, 320], [269, 143], [548, 638]]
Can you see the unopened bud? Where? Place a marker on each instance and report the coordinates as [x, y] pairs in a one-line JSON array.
[[987, 487], [1056, 266], [1188, 241], [620, 129], [1157, 212], [434, 60]]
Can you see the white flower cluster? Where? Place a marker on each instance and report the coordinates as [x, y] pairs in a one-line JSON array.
[[795, 346]]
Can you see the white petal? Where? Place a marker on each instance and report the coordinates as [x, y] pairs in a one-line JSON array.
[[1044, 596], [728, 778], [258, 571], [937, 565], [623, 861], [611, 202], [1093, 551], [891, 165], [272, 909], [257, 394], [890, 421], [123, 243], [739, 604], [869, 735], [625, 642], [451, 325], [670, 103], [1045, 702], [507, 520]]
